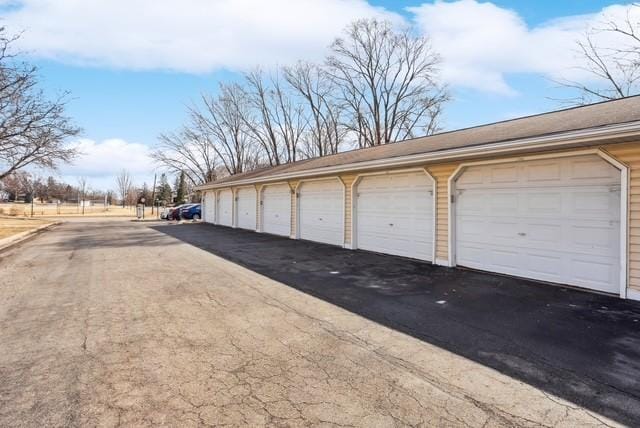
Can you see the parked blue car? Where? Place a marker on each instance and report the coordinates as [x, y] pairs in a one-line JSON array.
[[176, 212], [191, 212]]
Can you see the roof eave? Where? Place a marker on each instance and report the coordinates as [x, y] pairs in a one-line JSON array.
[[588, 136]]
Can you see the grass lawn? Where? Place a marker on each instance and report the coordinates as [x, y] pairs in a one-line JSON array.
[[67, 210], [12, 225]]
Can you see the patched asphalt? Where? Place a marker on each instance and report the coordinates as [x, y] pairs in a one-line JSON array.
[[121, 323], [580, 346]]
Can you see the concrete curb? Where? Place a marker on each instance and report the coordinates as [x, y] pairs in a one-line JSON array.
[[18, 238]]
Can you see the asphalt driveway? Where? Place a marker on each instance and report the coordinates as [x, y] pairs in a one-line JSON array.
[[577, 345], [117, 323]]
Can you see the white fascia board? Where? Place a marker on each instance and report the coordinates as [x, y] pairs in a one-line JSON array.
[[566, 139]]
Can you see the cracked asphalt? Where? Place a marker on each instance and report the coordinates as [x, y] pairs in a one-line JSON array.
[[113, 323]]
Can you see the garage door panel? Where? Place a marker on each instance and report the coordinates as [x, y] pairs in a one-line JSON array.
[[600, 238], [505, 258], [472, 256], [209, 207], [472, 204], [590, 271], [541, 233], [247, 210], [502, 203], [596, 273], [588, 170], [321, 212], [276, 210], [395, 215], [542, 203], [545, 265], [471, 230], [505, 174], [470, 178], [500, 230], [405, 245], [542, 172], [597, 203], [225, 208], [553, 230]]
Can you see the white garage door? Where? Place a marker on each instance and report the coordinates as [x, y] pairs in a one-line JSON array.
[[321, 215], [555, 220], [394, 215], [276, 209], [209, 207], [225, 208], [246, 208]]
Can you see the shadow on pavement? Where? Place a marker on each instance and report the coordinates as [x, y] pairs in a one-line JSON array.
[[579, 346]]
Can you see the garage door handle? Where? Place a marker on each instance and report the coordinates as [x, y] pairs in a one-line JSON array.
[[320, 218], [390, 224], [522, 234]]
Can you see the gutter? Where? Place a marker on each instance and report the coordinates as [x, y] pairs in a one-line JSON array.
[[578, 138]]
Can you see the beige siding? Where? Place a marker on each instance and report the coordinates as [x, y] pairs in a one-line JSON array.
[[629, 154], [294, 206], [258, 207], [441, 174], [347, 180]]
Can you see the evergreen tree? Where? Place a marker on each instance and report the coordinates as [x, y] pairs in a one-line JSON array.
[[164, 190], [181, 189], [146, 194]]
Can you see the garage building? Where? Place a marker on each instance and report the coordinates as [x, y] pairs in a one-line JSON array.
[[553, 197]]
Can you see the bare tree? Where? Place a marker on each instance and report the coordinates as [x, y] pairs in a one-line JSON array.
[[187, 150], [33, 129], [318, 92], [222, 121], [379, 85], [610, 52], [125, 186], [275, 121], [388, 80]]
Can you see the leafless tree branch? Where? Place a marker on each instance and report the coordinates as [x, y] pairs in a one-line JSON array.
[[388, 82], [613, 71], [33, 129]]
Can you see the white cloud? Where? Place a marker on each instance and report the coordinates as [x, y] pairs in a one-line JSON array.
[[190, 35], [101, 162], [481, 43]]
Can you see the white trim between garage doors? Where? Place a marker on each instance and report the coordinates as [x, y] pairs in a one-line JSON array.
[[624, 197], [353, 242]]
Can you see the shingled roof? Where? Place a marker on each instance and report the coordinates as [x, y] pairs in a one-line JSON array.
[[555, 122]]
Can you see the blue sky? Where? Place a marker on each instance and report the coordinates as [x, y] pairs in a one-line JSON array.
[[131, 67]]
